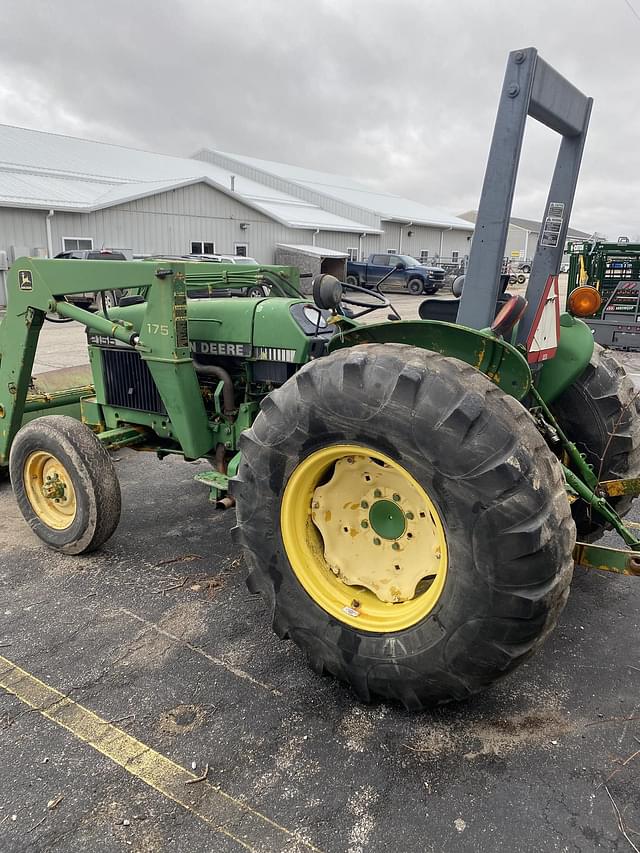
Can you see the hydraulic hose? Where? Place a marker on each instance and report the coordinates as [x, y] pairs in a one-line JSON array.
[[228, 393]]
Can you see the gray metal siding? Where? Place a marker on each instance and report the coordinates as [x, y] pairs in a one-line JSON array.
[[438, 242], [517, 240], [22, 228], [168, 222]]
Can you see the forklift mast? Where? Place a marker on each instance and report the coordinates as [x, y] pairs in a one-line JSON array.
[[531, 88]]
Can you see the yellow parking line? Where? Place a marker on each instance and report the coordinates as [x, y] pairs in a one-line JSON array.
[[225, 814]]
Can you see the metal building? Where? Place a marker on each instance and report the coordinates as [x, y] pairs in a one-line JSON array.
[[59, 193], [392, 223], [522, 237]]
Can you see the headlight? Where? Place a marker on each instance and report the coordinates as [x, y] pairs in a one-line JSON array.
[[315, 316]]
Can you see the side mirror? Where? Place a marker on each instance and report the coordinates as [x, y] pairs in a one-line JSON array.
[[401, 265], [327, 292]]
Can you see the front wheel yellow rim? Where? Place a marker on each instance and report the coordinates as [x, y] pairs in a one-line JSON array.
[[364, 538], [49, 490]]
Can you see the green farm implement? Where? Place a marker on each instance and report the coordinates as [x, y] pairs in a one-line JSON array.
[[409, 493], [613, 269]]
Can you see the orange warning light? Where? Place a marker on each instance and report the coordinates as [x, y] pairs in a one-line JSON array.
[[584, 301]]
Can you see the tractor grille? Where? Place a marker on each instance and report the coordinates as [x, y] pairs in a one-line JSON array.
[[128, 382]]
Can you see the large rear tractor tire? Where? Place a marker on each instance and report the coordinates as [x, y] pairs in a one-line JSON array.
[[600, 412], [65, 484], [406, 522]]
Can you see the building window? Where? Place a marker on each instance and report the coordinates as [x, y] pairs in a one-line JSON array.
[[424, 255], [76, 244], [202, 248], [241, 249], [391, 251], [454, 257], [352, 254]]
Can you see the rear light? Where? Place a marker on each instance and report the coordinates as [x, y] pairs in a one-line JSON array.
[[584, 301], [509, 315]]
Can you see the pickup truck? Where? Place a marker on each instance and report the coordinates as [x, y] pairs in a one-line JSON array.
[[407, 272]]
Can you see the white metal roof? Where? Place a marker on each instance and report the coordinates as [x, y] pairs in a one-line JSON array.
[[46, 170], [386, 205], [315, 251]]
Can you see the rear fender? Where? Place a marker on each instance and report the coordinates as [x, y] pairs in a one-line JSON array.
[[501, 362], [575, 348]]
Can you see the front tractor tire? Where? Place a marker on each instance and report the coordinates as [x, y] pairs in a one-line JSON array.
[[65, 484], [406, 522], [600, 412]]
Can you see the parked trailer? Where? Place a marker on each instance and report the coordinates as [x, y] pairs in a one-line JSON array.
[[614, 270]]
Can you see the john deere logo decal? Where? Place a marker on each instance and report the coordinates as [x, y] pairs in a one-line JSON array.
[[25, 280]]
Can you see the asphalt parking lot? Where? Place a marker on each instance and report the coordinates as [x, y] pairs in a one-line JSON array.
[[129, 673]]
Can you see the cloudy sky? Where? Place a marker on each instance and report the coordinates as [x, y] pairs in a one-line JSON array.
[[401, 95]]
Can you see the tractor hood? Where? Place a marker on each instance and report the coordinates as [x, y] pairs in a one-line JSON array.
[[282, 330]]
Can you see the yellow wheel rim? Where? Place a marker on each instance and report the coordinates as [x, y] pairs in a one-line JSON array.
[[49, 490], [363, 538]]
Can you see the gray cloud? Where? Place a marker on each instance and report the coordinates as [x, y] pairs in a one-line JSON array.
[[401, 95]]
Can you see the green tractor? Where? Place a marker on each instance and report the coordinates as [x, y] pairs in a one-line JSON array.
[[408, 493]]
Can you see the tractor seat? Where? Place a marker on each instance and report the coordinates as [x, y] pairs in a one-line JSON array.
[[439, 309], [446, 310], [130, 300]]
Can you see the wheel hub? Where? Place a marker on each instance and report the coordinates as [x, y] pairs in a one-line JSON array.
[[49, 490], [387, 519], [53, 487], [377, 529]]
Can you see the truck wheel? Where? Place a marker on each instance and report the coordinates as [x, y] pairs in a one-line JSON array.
[[600, 412], [65, 484], [415, 286], [406, 522], [353, 280], [111, 299], [257, 291]]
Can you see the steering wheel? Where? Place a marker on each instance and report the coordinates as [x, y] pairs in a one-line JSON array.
[[380, 300]]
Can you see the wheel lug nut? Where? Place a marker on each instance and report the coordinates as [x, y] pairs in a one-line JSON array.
[[364, 524], [396, 546], [396, 497], [377, 493], [364, 504], [376, 541], [409, 515], [355, 604]]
